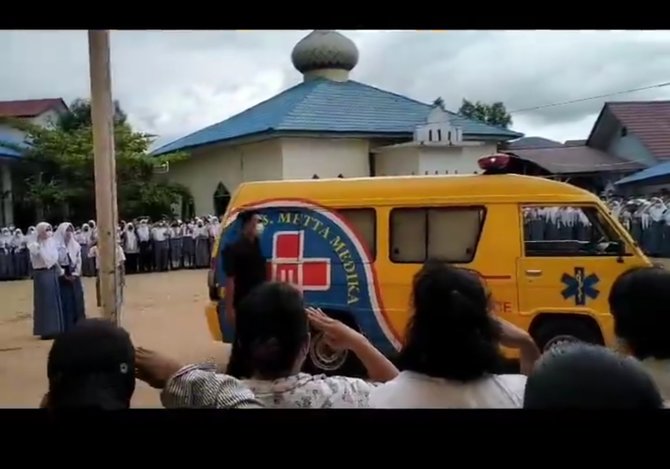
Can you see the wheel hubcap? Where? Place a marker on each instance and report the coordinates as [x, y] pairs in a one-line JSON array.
[[324, 357], [560, 340]]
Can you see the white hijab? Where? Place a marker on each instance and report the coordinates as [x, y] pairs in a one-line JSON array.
[[48, 246], [72, 246], [657, 209], [5, 238]]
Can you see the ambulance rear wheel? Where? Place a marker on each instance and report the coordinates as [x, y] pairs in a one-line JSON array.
[[556, 331], [322, 359]]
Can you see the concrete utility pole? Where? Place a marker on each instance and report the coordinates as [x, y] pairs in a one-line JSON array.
[[102, 115]]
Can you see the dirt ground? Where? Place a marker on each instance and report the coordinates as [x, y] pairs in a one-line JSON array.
[[163, 311]]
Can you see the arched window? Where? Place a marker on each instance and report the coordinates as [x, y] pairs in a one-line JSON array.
[[221, 199]]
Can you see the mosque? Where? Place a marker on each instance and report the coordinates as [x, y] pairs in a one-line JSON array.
[[327, 126]]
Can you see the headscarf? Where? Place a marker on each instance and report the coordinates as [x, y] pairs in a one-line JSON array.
[[657, 209], [72, 246], [18, 240], [31, 234], [5, 238], [48, 246], [132, 241]]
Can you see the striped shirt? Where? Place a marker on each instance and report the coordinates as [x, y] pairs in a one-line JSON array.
[[200, 387]]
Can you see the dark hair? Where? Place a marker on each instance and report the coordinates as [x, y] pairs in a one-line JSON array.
[[584, 376], [271, 331], [246, 216], [640, 304], [451, 334], [91, 366]]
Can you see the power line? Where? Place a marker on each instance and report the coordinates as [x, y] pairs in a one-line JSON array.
[[632, 90]]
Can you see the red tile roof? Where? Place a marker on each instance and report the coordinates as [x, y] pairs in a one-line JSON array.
[[29, 107], [573, 160], [647, 120]]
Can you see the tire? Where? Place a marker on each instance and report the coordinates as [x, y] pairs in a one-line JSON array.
[[554, 331], [321, 359]]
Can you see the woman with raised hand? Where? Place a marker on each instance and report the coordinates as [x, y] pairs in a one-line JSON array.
[[70, 262], [451, 357], [48, 320], [272, 335]]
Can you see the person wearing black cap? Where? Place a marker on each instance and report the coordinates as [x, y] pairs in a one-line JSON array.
[[91, 366], [585, 376]]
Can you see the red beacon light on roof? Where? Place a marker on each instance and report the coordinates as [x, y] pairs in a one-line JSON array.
[[496, 163]]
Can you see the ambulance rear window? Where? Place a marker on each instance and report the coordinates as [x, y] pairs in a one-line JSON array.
[[448, 233], [364, 222]]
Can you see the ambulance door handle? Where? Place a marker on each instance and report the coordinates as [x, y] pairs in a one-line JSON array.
[[534, 273]]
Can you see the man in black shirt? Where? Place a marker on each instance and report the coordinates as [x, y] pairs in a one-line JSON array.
[[245, 269], [243, 263]]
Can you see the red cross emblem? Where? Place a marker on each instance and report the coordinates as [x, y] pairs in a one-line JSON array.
[[289, 265]]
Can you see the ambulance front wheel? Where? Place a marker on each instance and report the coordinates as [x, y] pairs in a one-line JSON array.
[[554, 330], [322, 359]]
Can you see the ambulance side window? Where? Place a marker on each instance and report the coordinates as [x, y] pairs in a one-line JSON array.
[[364, 222], [448, 233]]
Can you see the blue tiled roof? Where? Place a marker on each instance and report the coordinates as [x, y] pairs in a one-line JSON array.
[[661, 170], [322, 105], [9, 138]]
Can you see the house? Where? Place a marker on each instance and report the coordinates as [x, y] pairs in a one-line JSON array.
[[42, 112], [327, 126], [627, 137]]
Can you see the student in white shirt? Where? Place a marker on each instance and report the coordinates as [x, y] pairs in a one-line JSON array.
[[451, 357], [70, 262], [120, 265], [639, 301], [48, 320]]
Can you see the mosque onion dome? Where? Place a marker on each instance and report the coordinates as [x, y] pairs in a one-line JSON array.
[[324, 49]]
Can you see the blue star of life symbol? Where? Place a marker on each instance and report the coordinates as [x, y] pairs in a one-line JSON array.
[[580, 287]]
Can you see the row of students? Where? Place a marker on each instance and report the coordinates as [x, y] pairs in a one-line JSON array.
[[147, 247]]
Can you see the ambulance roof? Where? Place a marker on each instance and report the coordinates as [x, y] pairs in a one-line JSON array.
[[410, 189]]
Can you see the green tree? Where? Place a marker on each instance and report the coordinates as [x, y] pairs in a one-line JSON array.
[[56, 176], [439, 102], [79, 115], [492, 114]]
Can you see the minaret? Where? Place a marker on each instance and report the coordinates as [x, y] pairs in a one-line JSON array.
[[325, 53]]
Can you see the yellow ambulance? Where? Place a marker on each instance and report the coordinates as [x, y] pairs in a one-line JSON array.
[[548, 251]]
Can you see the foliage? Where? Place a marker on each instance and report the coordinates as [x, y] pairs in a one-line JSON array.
[[57, 174], [439, 102], [492, 114]]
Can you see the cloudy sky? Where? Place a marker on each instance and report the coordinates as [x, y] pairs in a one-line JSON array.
[[172, 83]]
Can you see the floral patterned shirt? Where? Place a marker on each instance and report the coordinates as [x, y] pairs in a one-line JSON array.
[[307, 391]]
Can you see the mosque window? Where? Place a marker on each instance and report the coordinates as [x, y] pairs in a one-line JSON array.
[[439, 135], [449, 233], [430, 135]]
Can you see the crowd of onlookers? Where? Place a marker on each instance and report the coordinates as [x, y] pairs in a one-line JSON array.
[[451, 356], [148, 247]]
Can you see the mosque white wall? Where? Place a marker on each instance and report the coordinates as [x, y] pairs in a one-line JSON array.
[[302, 158], [397, 161], [453, 160], [230, 165]]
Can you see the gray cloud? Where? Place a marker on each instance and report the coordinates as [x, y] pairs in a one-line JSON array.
[[172, 83]]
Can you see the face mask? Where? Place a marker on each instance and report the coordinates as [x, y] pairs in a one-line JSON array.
[[260, 227]]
